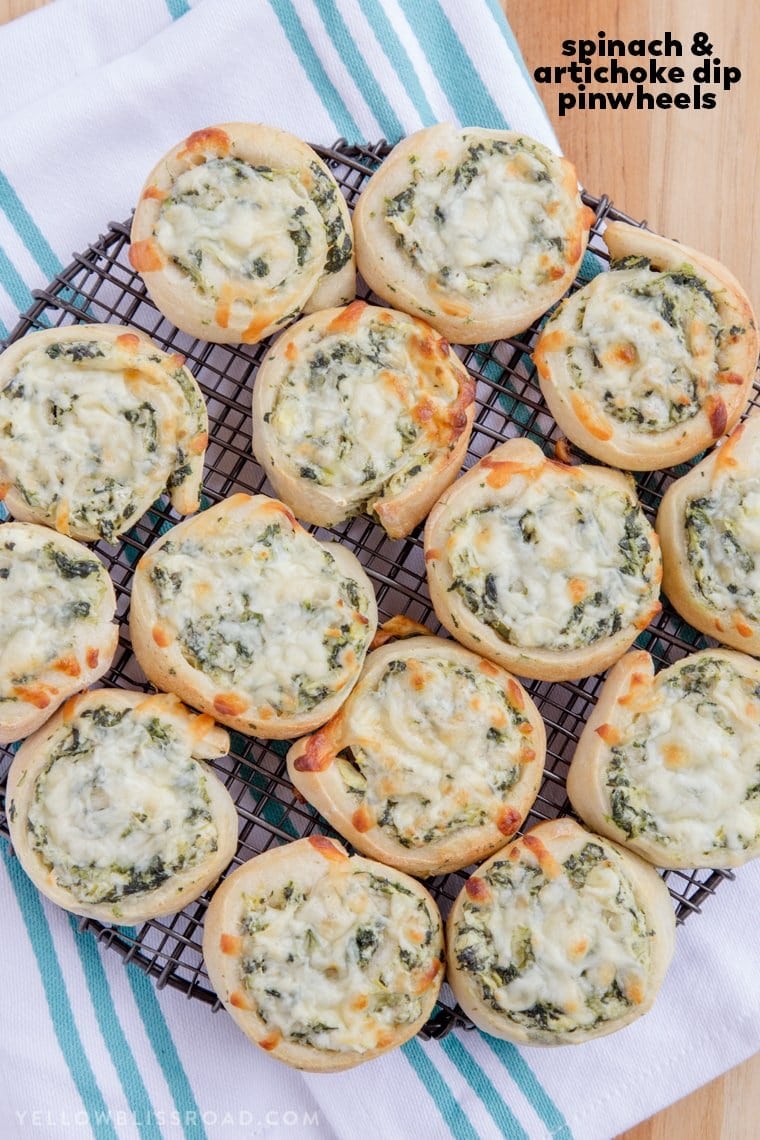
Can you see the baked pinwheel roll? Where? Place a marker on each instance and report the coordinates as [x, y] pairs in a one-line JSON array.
[[110, 811], [324, 961], [550, 570], [650, 363], [477, 231], [709, 527], [559, 938], [238, 229], [246, 616], [431, 764], [362, 409], [57, 607], [668, 764], [96, 423]]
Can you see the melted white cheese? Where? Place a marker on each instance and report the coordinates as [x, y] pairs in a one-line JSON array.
[[439, 746], [644, 348], [343, 411], [342, 965], [686, 773], [556, 955], [496, 221], [120, 808], [723, 543], [263, 609], [547, 569], [79, 438], [228, 221], [47, 609]]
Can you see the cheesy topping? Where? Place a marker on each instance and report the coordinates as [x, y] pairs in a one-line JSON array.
[[226, 220], [120, 806], [438, 748], [347, 413], [646, 345], [262, 608], [90, 432], [495, 220], [556, 954], [341, 965], [48, 602], [559, 567], [723, 546], [686, 773]]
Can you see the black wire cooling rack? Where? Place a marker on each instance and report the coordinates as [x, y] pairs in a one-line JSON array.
[[100, 285]]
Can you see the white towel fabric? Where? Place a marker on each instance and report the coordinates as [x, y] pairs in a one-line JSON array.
[[91, 93]]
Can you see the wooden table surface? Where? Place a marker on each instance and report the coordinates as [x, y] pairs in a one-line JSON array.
[[693, 176]]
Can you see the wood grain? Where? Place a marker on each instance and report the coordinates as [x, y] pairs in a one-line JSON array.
[[10, 9], [692, 174]]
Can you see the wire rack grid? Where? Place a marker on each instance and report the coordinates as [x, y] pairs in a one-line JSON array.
[[100, 285]]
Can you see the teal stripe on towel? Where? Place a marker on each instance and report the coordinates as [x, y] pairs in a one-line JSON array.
[[121, 1054], [166, 1052], [177, 8], [530, 1086], [59, 1006], [514, 47], [502, 1116], [394, 49], [441, 1094], [303, 48], [14, 283], [375, 97], [27, 229], [454, 70]]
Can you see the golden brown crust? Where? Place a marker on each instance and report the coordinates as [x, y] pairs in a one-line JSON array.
[[182, 423], [155, 637], [84, 661], [302, 863], [736, 459], [204, 740], [583, 418], [407, 286], [502, 476], [316, 775], [548, 845], [419, 391], [632, 689], [233, 317]]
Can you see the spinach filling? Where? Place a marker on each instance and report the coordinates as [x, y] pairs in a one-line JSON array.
[[705, 685], [410, 211], [286, 948], [300, 236], [724, 569], [71, 567], [233, 179], [662, 388], [407, 814], [340, 453], [109, 508], [496, 959], [107, 807], [324, 195], [76, 351], [238, 640], [607, 605]]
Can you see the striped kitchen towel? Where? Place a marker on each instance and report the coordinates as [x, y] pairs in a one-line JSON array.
[[91, 93]]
